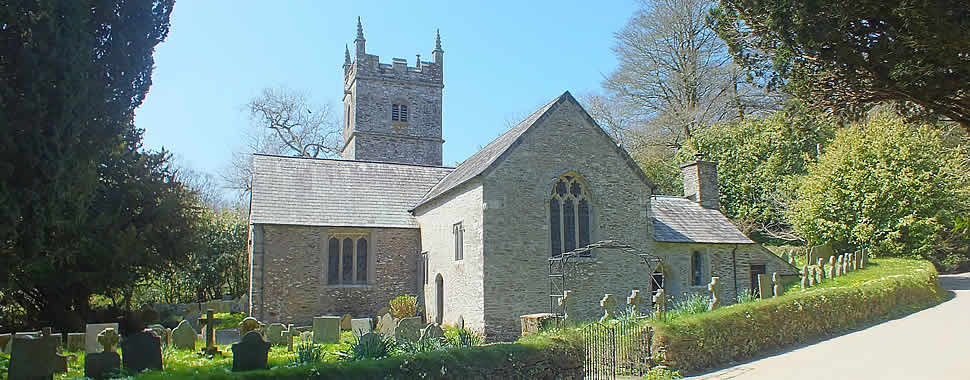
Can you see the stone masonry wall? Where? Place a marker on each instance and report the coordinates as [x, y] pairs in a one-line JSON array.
[[462, 280], [517, 237], [290, 286]]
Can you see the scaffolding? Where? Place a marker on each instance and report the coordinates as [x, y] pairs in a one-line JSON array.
[[560, 264]]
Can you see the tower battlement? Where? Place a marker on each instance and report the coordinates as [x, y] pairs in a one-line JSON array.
[[392, 111]]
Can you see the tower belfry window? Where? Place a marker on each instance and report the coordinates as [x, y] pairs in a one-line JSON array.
[[399, 112]]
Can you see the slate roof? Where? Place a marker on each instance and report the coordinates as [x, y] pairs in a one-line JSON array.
[[680, 220], [481, 161], [322, 192]]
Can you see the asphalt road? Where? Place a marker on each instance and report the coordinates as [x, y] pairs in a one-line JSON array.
[[930, 344]]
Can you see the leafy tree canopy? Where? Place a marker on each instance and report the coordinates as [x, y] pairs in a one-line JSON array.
[[889, 187], [844, 56]]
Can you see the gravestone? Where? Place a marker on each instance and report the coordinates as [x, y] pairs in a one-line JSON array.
[[812, 275], [91, 332], [163, 334], [608, 304], [100, 365], [386, 325], [345, 322], [764, 285], [75, 342], [832, 267], [818, 275], [715, 288], [408, 329], [565, 303], [432, 331], [34, 358], [210, 329], [274, 334], [247, 325], [852, 262], [227, 336], [184, 336], [141, 351], [805, 277], [361, 326], [250, 353], [777, 284], [326, 330], [659, 302], [634, 301], [863, 259]]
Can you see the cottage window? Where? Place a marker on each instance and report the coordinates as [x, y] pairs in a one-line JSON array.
[[697, 269], [347, 260], [569, 214]]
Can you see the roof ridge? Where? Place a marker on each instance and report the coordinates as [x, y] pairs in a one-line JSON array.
[[354, 161]]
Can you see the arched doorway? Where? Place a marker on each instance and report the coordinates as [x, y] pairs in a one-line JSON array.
[[439, 284]]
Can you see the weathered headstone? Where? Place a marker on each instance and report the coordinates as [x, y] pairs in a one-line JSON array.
[[250, 353], [634, 301], [852, 262], [715, 288], [141, 351], [163, 334], [659, 302], [386, 325], [361, 326], [818, 275], [764, 285], [100, 365], [274, 334], [832, 269], [75, 342], [35, 357], [248, 324], [805, 282], [432, 331], [210, 332], [608, 304], [777, 284], [326, 329], [91, 335], [863, 259], [408, 329], [345, 322], [184, 336], [227, 336], [812, 276]]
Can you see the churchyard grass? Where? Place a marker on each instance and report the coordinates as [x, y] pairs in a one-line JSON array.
[[229, 320]]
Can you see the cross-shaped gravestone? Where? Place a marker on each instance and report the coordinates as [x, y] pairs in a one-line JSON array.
[[715, 288], [608, 303], [659, 302], [634, 301], [109, 338], [564, 304], [210, 332], [247, 325], [777, 287]]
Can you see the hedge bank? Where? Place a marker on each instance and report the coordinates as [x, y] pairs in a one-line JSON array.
[[546, 357], [889, 288]]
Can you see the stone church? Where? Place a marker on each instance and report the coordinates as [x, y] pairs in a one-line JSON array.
[[473, 242]]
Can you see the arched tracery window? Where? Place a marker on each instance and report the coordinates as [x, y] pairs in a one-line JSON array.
[[569, 214]]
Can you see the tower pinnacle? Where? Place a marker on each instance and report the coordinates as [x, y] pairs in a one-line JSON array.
[[359, 42], [438, 54], [346, 56], [437, 40]]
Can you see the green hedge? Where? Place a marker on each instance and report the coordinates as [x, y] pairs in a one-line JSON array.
[[547, 357], [741, 332]]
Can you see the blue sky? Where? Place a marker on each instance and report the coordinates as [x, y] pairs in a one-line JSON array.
[[503, 59]]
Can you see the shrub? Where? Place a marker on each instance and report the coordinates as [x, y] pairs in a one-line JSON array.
[[371, 348], [739, 332], [307, 352], [691, 304], [746, 296], [404, 306]]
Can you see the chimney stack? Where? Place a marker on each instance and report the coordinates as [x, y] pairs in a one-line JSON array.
[[700, 183]]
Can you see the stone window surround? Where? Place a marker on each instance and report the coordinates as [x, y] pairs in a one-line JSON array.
[[593, 212], [458, 232], [354, 237], [705, 254]]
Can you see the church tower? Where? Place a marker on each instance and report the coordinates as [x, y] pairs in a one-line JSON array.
[[392, 112]]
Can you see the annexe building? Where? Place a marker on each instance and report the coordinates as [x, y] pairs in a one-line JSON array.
[[473, 242]]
